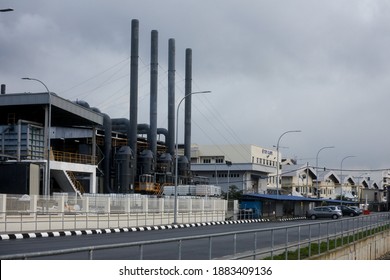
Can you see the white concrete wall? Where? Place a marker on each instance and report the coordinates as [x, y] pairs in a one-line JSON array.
[[68, 212]]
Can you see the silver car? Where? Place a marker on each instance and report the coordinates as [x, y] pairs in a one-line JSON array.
[[324, 212]]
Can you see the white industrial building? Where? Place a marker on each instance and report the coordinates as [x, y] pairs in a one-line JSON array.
[[249, 167]]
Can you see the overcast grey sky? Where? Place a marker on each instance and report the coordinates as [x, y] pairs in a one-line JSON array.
[[322, 67]]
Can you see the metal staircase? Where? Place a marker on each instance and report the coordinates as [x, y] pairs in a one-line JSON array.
[[68, 181], [76, 185]]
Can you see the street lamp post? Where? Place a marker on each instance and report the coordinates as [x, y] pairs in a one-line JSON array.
[[341, 178], [177, 151], [323, 148], [47, 127], [277, 159]]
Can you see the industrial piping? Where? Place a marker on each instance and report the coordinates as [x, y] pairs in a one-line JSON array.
[[164, 132], [121, 125]]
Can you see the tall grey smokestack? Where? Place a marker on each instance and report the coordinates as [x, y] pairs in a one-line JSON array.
[[187, 120], [171, 97], [132, 134], [153, 92], [107, 125]]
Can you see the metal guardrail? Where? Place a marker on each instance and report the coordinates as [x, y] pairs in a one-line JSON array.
[[293, 237], [74, 157]]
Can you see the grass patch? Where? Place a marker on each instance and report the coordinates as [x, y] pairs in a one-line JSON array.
[[325, 246]]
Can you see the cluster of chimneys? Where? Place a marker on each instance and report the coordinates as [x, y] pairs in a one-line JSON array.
[[132, 137]]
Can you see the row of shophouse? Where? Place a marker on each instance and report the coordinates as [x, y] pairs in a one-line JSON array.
[[252, 169]]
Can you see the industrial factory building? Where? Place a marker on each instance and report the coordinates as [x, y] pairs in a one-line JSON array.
[[27, 165], [88, 151], [49, 144]]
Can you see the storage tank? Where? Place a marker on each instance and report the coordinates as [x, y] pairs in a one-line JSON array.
[[165, 163], [124, 166], [145, 162], [184, 171]]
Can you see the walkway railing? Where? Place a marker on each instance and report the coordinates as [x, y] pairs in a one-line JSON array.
[[74, 157], [260, 243]]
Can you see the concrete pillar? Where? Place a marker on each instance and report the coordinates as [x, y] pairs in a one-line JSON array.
[[3, 205], [92, 182], [128, 205], [190, 206], [85, 204], [145, 206], [108, 205], [61, 203], [33, 203]]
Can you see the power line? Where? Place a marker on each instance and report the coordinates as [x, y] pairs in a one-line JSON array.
[[95, 76]]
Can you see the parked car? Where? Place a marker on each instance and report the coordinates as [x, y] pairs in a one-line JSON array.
[[345, 210], [324, 212], [348, 211], [357, 209], [335, 207]]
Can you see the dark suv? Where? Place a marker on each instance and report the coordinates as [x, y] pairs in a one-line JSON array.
[[347, 211]]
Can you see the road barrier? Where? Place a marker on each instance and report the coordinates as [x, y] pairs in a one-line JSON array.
[[301, 241]]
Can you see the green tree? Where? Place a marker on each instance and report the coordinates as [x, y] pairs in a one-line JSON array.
[[234, 193]]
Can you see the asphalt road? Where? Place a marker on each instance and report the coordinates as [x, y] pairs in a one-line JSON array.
[[190, 249]]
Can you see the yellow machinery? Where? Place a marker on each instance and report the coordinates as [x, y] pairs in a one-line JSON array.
[[146, 184]]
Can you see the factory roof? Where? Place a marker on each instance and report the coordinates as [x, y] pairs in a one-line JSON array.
[[30, 106]]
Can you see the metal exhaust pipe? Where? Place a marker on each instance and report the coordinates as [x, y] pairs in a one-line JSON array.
[[132, 134], [153, 92], [188, 104], [171, 97]]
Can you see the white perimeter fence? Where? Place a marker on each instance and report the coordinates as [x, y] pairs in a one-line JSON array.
[[23, 213]]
